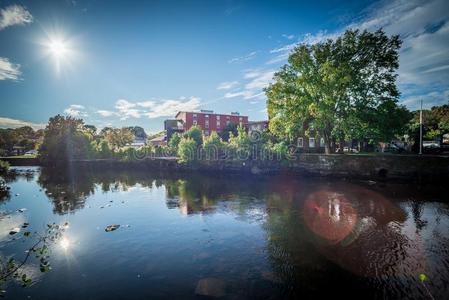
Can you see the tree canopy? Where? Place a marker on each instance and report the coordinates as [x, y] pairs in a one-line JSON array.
[[344, 88]]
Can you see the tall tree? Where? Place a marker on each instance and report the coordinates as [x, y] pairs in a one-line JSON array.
[[64, 140], [119, 137], [343, 88]]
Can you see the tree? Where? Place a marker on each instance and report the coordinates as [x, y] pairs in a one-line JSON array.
[[240, 144], [174, 141], [187, 150], [342, 88], [435, 124], [229, 128], [196, 134], [213, 145], [119, 137], [138, 132], [64, 140]]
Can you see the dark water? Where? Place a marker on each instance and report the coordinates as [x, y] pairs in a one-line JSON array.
[[192, 236]]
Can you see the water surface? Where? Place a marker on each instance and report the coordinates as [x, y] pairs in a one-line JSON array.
[[196, 236]]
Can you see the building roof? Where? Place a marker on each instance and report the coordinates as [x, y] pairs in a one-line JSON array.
[[210, 112]]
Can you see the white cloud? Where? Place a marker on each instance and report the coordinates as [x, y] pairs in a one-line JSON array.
[[14, 15], [14, 123], [76, 111], [168, 108], [227, 85], [429, 100], [127, 109], [244, 58], [8, 70], [106, 113], [260, 79], [257, 80], [288, 36], [146, 104]]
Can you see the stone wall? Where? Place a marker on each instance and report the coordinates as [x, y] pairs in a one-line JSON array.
[[375, 167]]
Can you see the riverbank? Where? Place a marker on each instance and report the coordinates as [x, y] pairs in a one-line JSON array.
[[366, 166]]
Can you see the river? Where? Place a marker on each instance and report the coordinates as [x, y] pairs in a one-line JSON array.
[[194, 236]]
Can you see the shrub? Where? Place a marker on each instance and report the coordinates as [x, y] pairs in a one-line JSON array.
[[187, 150], [213, 146], [4, 167], [174, 141], [196, 134]]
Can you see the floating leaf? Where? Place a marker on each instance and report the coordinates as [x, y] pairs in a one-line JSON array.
[[423, 277], [111, 227], [27, 233]]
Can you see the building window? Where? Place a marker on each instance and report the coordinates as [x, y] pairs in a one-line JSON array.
[[228, 118], [240, 119], [322, 142], [206, 124], [228, 122], [300, 142], [207, 116], [195, 122], [218, 117], [206, 132], [194, 115], [311, 142], [218, 124]]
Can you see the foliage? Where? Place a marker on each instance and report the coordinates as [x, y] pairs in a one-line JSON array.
[[23, 136], [138, 132], [64, 139], [344, 88], [213, 146], [174, 141], [226, 132], [187, 150], [195, 134], [13, 268], [119, 137], [4, 167], [240, 144]]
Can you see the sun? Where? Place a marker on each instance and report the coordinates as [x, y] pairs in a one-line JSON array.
[[58, 48]]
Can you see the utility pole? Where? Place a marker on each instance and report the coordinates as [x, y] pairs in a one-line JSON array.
[[420, 129]]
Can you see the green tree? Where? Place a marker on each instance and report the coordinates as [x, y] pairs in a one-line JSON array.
[[213, 146], [229, 128], [196, 134], [64, 140], [240, 144], [119, 137], [174, 141], [138, 132], [343, 88], [187, 150]]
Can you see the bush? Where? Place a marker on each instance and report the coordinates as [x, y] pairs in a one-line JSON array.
[[213, 146], [4, 167], [187, 149], [195, 134], [174, 141]]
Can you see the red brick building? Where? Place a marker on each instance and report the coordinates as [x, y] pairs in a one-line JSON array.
[[209, 121]]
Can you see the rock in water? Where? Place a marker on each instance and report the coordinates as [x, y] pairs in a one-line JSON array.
[[111, 227], [211, 287], [14, 231]]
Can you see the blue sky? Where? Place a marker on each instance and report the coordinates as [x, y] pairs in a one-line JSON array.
[[138, 62]]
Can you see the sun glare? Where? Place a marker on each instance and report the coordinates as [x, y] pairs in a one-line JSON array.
[[57, 48], [64, 243]]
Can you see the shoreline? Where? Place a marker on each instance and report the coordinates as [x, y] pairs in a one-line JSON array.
[[360, 166]]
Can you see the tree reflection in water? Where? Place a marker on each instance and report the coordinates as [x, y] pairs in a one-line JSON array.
[[319, 234]]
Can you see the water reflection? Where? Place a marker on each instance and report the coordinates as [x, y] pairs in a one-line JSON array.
[[258, 237]]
